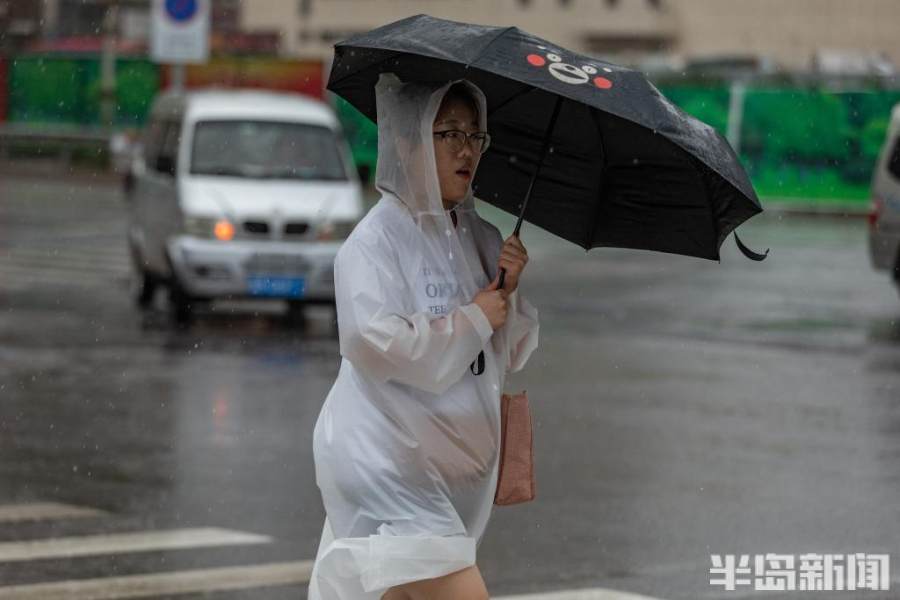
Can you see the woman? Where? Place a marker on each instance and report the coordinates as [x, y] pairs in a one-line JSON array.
[[407, 442]]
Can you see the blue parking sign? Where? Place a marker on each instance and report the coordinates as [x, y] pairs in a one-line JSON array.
[[181, 10]]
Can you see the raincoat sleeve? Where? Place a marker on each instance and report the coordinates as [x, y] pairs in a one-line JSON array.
[[382, 338], [521, 330]]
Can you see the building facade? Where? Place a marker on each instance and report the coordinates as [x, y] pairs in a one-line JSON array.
[[789, 32]]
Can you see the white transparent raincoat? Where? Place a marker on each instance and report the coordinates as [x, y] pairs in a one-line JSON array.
[[407, 442]]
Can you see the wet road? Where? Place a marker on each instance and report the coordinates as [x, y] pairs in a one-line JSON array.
[[682, 408]]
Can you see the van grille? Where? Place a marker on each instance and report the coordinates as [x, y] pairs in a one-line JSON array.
[[296, 228], [256, 227]]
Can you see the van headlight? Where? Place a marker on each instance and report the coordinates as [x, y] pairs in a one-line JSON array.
[[335, 230], [209, 228]]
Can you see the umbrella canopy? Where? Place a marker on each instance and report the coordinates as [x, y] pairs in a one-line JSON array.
[[587, 150]]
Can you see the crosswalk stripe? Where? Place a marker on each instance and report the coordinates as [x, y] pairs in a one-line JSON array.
[[66, 263], [36, 511], [65, 275], [155, 584], [79, 255], [585, 594], [61, 276], [231, 578], [141, 541], [113, 249], [60, 269]]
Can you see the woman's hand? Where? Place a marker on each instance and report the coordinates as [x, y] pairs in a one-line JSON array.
[[492, 302], [513, 258]]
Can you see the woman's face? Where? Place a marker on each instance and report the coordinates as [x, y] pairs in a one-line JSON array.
[[455, 113]]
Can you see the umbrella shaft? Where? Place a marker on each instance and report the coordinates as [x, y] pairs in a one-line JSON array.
[[534, 176], [537, 170]]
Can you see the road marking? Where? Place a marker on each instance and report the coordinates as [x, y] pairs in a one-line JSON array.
[[141, 541], [156, 584], [62, 249], [585, 594], [230, 578], [65, 266], [37, 511], [67, 257], [21, 275]]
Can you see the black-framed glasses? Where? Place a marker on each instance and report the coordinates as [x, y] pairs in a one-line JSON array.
[[456, 139]]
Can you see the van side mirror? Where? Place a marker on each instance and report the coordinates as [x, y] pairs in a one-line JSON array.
[[364, 173], [165, 164]]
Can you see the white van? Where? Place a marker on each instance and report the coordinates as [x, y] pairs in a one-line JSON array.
[[884, 217], [240, 194]]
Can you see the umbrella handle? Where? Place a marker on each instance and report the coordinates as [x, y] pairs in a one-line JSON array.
[[480, 360], [502, 278]]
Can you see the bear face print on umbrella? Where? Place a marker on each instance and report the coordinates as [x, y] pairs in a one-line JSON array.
[[587, 150]]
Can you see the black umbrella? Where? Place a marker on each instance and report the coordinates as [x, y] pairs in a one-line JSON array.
[[608, 160]]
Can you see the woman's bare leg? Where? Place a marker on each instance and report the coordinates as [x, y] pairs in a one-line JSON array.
[[465, 584], [395, 593]]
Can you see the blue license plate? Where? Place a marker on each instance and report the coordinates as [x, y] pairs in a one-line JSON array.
[[281, 287]]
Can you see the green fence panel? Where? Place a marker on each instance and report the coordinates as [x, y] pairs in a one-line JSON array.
[[46, 90], [814, 144], [51, 89], [361, 133], [4, 88], [800, 143]]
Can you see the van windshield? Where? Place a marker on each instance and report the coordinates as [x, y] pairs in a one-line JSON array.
[[266, 150]]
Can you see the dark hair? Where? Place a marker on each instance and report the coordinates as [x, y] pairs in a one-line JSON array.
[[461, 91]]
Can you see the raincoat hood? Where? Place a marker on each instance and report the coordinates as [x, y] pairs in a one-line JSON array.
[[406, 159]]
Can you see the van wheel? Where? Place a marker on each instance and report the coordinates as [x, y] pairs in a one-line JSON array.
[[144, 289], [181, 304], [896, 273], [296, 313], [143, 283]]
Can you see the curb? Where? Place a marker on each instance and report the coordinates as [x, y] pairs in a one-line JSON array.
[[818, 209]]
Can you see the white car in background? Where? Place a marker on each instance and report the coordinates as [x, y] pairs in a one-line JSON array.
[[240, 194], [884, 217]]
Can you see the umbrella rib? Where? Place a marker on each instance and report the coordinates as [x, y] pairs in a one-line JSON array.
[[603, 169], [367, 67], [396, 53], [491, 43], [511, 98]]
